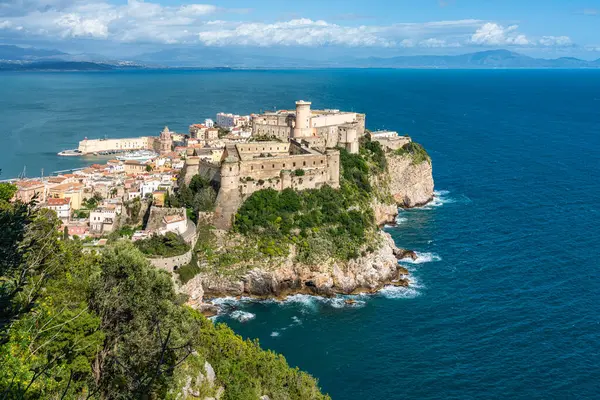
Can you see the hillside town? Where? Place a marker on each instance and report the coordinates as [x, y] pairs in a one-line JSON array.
[[237, 155]]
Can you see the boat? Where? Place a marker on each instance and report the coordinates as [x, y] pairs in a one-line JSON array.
[[70, 153], [139, 155]]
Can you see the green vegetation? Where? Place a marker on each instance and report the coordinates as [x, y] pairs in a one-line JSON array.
[[374, 153], [416, 151], [92, 202], [168, 245], [323, 222], [199, 196], [299, 172], [7, 191], [83, 326], [264, 138]]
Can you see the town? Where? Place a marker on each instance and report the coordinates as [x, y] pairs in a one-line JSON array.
[[138, 193]]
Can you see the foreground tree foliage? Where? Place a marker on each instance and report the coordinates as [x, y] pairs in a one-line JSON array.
[[109, 326]]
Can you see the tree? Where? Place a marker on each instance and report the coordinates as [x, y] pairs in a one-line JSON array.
[[145, 335], [7, 191]]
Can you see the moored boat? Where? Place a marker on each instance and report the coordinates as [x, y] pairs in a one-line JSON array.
[[70, 153], [140, 155]]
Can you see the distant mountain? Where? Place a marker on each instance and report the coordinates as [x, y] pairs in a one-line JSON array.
[[55, 66], [10, 52], [482, 59], [16, 58], [214, 57]]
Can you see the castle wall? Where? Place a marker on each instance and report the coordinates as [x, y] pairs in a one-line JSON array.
[[87, 146], [324, 120], [281, 132]]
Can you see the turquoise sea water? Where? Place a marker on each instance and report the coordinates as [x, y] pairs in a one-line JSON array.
[[506, 298]]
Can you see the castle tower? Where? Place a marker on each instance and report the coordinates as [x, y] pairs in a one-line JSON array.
[[166, 141], [333, 168], [229, 198], [302, 128]]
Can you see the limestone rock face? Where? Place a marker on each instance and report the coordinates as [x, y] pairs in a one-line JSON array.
[[384, 213], [367, 273], [410, 185]]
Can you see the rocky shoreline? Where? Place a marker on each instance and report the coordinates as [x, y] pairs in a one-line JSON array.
[[366, 274]]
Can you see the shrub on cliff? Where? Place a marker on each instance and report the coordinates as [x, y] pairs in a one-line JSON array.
[[416, 151], [168, 245]]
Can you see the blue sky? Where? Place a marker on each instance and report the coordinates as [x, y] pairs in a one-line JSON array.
[[550, 28]]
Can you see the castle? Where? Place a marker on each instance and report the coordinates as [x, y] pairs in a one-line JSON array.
[[295, 150]]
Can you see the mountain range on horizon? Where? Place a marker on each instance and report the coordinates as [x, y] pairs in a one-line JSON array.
[[20, 58]]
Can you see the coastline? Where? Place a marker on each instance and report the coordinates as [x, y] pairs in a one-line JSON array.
[[260, 285]]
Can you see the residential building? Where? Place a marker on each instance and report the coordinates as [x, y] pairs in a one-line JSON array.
[[28, 190], [62, 208]]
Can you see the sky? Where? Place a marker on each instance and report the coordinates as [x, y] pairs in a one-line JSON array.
[[122, 28]]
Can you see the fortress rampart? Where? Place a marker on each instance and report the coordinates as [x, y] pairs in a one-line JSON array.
[[90, 146]]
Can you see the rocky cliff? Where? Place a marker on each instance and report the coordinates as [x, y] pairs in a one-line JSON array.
[[410, 184], [283, 277]]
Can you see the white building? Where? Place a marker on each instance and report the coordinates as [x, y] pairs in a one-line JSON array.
[[174, 223], [384, 134], [103, 220], [232, 121], [209, 123], [149, 187], [62, 207], [132, 195]]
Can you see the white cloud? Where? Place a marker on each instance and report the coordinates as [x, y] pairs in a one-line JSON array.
[[556, 41], [139, 21], [74, 26], [437, 43], [296, 32], [493, 34], [132, 22]]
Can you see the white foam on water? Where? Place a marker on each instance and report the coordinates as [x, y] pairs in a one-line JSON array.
[[297, 321], [274, 334], [398, 292], [400, 220], [440, 197], [422, 258], [242, 316], [304, 300]]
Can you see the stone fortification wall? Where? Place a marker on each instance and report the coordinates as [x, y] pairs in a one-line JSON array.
[[269, 167], [279, 126], [194, 166], [170, 264], [97, 145], [250, 150], [393, 143], [158, 213]]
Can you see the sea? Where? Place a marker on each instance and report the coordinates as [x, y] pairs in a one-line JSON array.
[[505, 294]]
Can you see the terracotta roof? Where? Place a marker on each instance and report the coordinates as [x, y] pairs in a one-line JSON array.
[[170, 219], [67, 186], [58, 202], [132, 162], [28, 184], [57, 179]]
